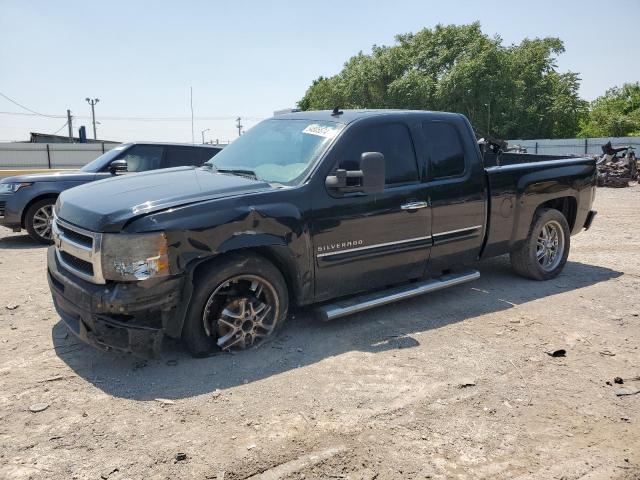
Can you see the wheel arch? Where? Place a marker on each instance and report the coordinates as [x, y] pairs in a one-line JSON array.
[[271, 253], [35, 199], [567, 205]]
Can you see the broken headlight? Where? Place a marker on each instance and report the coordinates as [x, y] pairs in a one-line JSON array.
[[131, 257]]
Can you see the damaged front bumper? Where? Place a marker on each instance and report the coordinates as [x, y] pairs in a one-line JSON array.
[[128, 317]]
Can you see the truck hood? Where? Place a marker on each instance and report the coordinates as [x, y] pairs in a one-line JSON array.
[[69, 176], [106, 205]]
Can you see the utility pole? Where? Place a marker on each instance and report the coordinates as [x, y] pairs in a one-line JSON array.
[[205, 130], [93, 114], [69, 123], [239, 126], [193, 138]]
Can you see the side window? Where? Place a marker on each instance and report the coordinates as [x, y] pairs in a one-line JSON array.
[[206, 154], [187, 156], [393, 140], [445, 149], [143, 157], [182, 156]]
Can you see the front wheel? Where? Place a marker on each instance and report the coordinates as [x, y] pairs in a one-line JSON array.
[[39, 219], [240, 302], [545, 251]]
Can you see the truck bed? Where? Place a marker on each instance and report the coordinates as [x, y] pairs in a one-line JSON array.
[[519, 183]]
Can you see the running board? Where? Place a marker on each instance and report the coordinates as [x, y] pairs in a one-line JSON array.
[[371, 300]]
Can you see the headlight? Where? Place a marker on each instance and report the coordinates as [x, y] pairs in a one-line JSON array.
[[12, 187], [134, 256]]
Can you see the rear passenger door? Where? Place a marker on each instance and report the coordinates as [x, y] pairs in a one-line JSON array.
[[457, 194]]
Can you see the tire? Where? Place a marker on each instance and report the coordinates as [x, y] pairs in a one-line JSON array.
[[527, 261], [38, 220], [226, 310]]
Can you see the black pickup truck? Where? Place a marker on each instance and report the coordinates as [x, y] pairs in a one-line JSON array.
[[347, 210]]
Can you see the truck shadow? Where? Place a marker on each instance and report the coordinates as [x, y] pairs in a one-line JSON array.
[[305, 341]]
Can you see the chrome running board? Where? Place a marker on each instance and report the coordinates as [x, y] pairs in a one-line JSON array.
[[364, 302]]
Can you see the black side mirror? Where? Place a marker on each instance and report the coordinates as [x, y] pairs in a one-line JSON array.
[[369, 179], [118, 166]]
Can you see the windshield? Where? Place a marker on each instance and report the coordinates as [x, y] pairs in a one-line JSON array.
[[278, 151], [104, 159]]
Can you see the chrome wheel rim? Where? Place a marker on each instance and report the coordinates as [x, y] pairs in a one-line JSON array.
[[242, 312], [42, 220], [550, 246]]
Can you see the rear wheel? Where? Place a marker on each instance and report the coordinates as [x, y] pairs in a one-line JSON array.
[[39, 219], [239, 303], [545, 251]]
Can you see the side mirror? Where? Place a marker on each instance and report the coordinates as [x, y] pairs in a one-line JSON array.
[[372, 167], [369, 179], [118, 166]]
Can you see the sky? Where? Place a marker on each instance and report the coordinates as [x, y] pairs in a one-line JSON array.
[[249, 58]]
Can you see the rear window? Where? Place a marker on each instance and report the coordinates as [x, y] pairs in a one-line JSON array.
[[446, 153]]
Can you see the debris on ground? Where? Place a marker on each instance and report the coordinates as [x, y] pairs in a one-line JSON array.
[[618, 380], [467, 383], [561, 352], [38, 407], [622, 392], [108, 472], [617, 172], [165, 401], [11, 306], [180, 457]]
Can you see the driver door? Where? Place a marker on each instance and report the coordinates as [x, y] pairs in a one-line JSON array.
[[363, 242]]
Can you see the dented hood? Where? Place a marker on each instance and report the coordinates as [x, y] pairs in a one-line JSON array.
[[106, 205]]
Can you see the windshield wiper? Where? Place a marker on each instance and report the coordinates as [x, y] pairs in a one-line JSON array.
[[238, 171]]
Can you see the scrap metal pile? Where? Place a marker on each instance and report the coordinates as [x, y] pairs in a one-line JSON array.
[[617, 170]]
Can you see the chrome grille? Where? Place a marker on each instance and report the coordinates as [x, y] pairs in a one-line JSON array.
[[78, 250]]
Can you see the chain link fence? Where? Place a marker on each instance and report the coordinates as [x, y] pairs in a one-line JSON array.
[[575, 146]]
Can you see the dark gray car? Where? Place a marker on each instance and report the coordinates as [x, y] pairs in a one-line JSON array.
[[26, 201]]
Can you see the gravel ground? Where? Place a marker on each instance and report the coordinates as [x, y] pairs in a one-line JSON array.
[[456, 384]]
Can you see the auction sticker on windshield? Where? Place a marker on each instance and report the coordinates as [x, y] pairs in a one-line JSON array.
[[321, 130]]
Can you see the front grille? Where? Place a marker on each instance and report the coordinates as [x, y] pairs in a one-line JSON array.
[[78, 250], [75, 236], [2, 209], [77, 263]]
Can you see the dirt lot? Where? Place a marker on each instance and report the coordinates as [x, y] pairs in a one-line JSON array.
[[378, 395]]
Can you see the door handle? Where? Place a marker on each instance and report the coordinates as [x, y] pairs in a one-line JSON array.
[[414, 205]]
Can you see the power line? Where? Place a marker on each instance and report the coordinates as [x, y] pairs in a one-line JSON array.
[[28, 109], [65, 124], [141, 119]]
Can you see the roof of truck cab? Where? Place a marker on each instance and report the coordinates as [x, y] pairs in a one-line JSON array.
[[348, 116], [175, 144]]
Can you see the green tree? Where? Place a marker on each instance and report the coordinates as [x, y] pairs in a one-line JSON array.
[[615, 114], [510, 91]]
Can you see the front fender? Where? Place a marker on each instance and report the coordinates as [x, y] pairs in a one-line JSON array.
[[202, 232]]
